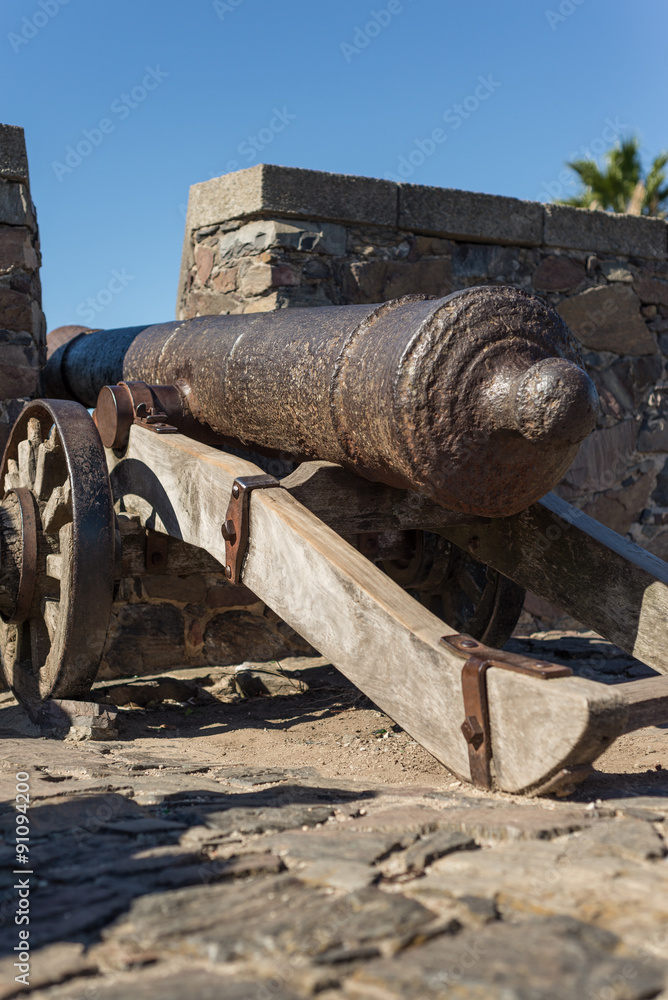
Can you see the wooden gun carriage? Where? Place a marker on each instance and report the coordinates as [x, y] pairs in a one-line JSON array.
[[425, 435]]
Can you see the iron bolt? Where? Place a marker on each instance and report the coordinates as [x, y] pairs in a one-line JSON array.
[[235, 490], [228, 572], [473, 732], [469, 643], [228, 530]]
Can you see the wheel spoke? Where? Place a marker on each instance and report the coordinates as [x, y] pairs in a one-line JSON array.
[[58, 509], [469, 584], [40, 643], [50, 469], [12, 476], [27, 453], [54, 566], [50, 614]]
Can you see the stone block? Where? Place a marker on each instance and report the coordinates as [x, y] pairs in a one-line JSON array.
[[203, 262], [475, 260], [234, 636], [225, 280], [80, 720], [608, 318], [13, 156], [16, 249], [306, 237], [15, 310], [618, 509], [605, 232], [17, 381], [379, 280], [229, 596], [654, 436], [602, 460], [623, 387], [143, 638], [256, 280], [260, 278], [186, 589], [467, 215], [615, 270], [293, 192], [15, 204], [660, 494], [268, 303], [210, 304], [558, 274], [652, 290]]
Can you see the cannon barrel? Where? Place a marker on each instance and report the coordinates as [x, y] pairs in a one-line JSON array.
[[478, 399]]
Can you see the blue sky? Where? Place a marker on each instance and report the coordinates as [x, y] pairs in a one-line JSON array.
[[191, 90]]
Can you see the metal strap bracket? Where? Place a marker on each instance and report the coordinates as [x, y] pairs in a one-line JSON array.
[[235, 526], [476, 725]]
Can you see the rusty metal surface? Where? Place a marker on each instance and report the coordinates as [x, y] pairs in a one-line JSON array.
[[63, 663], [89, 370], [467, 594], [235, 528], [476, 725], [478, 399]]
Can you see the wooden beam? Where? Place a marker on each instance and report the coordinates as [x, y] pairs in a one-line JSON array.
[[589, 571], [379, 637], [350, 504]]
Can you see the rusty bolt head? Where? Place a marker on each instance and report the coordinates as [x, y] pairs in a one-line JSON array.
[[228, 530], [473, 732], [469, 644], [228, 572], [235, 490]]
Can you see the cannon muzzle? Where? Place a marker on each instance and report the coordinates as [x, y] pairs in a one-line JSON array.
[[478, 400]]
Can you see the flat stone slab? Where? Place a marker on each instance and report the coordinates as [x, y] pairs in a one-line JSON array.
[[553, 959]]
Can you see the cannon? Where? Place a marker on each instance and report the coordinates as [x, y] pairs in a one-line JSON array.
[[414, 446]]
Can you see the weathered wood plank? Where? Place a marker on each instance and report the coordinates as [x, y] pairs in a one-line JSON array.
[[385, 642], [646, 702], [350, 504], [600, 578]]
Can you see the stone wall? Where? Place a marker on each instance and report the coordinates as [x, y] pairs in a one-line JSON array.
[[22, 325]]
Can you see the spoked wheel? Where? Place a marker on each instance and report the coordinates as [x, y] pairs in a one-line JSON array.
[[56, 552], [469, 595]]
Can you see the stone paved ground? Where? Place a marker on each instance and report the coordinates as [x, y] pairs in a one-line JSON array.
[[267, 833]]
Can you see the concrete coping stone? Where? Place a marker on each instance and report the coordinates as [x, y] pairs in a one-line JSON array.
[[295, 193], [13, 156], [605, 232], [291, 192], [468, 215]]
